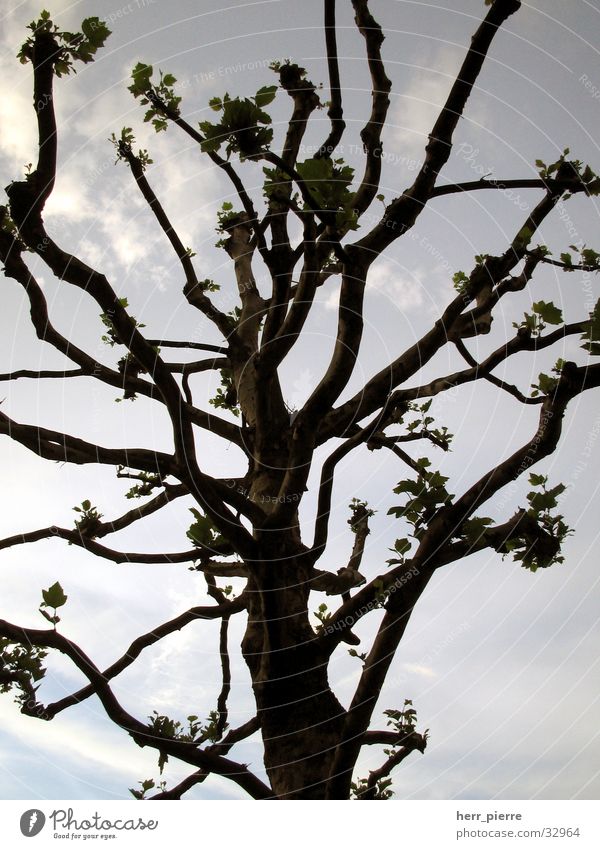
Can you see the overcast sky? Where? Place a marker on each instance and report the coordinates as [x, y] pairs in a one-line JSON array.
[[501, 664]]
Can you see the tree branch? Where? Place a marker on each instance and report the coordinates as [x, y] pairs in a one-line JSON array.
[[222, 712], [380, 89], [326, 483], [504, 185], [198, 346], [26, 208], [335, 111], [74, 537], [139, 732], [402, 212], [194, 614], [42, 375], [411, 742], [221, 748], [484, 277], [54, 445], [226, 167], [192, 289]]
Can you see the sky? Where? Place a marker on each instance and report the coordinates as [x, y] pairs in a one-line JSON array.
[[500, 663]]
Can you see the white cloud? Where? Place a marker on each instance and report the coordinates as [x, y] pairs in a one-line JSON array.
[[418, 669], [419, 102], [391, 281], [18, 127], [396, 283], [71, 739]]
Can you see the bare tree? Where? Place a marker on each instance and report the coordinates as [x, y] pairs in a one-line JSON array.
[[247, 528]]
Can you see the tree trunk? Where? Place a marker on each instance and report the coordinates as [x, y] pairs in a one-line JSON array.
[[300, 717]]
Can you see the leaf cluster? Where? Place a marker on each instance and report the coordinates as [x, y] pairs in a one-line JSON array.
[[591, 332], [226, 395], [71, 46], [422, 422], [147, 784], [21, 667], [202, 532], [547, 384], [195, 732], [160, 97], [111, 337], [538, 542], [544, 313], [573, 169], [89, 521], [328, 182], [244, 126], [381, 791], [589, 258], [425, 497], [124, 147], [149, 482]]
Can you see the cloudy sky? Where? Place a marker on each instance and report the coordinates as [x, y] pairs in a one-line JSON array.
[[500, 663]]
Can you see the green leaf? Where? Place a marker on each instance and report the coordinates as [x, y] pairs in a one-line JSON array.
[[593, 188], [474, 528], [548, 312], [54, 596], [96, 31], [537, 480], [213, 137], [201, 532], [545, 385], [410, 486], [460, 281], [141, 76], [265, 95], [591, 332], [591, 258], [541, 501], [328, 183], [567, 259], [401, 546]]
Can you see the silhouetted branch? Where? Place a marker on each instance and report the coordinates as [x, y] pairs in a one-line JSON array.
[[141, 734], [194, 614], [54, 445], [413, 742], [74, 537], [401, 214], [380, 89], [335, 111], [221, 748], [43, 375]]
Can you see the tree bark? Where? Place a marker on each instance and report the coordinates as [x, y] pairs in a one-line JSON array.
[[300, 718]]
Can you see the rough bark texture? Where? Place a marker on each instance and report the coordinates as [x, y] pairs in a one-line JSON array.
[[299, 715]]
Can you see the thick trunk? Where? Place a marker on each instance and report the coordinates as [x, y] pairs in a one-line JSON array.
[[300, 717]]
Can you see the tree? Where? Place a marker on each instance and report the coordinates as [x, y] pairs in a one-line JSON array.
[[247, 529]]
